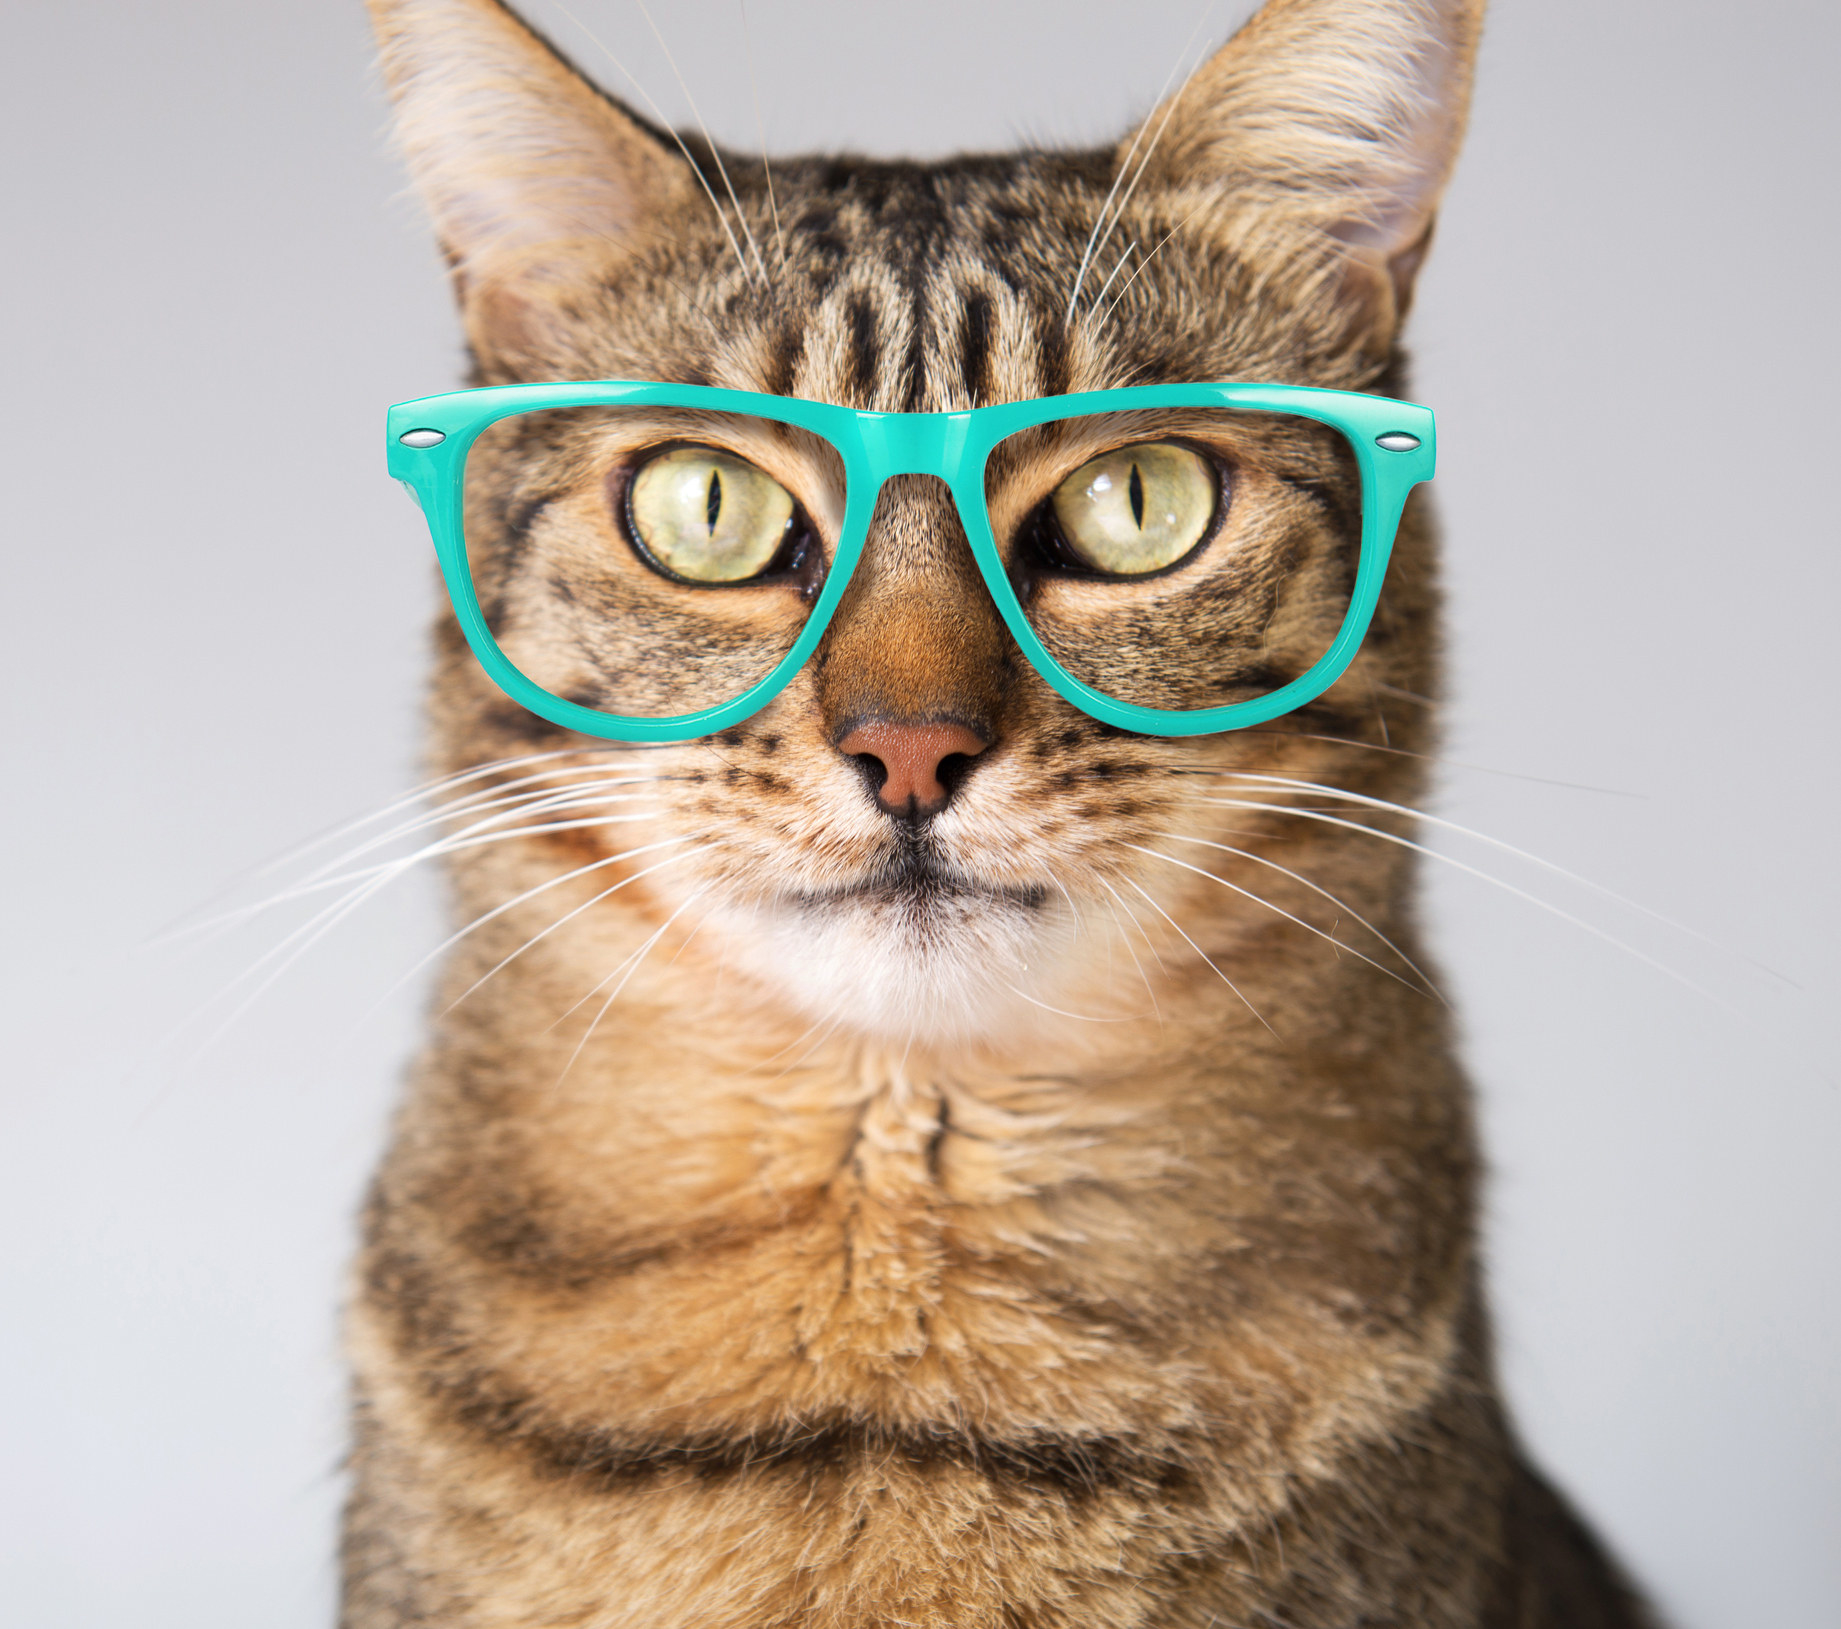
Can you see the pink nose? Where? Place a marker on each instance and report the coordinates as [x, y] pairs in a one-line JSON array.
[[911, 755]]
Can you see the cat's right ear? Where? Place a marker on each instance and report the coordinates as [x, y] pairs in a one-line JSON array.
[[1328, 127], [526, 168]]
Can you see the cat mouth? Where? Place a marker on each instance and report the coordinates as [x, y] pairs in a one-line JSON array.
[[917, 880]]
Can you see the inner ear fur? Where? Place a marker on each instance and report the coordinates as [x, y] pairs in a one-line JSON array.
[[1325, 130], [529, 171]]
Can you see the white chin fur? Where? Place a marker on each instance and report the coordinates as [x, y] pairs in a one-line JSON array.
[[953, 969]]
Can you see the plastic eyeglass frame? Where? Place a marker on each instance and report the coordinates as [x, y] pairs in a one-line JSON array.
[[875, 446]]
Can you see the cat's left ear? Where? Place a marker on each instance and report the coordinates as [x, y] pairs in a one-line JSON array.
[[1337, 119]]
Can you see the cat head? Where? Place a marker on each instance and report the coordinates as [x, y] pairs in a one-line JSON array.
[[918, 836]]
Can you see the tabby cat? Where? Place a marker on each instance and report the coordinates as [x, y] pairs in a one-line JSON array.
[[924, 1156]]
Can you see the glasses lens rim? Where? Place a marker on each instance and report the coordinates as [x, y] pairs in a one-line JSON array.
[[435, 473]]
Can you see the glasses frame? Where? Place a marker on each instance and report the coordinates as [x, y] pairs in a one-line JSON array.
[[874, 446]]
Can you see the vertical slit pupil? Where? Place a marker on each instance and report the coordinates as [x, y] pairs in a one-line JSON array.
[[714, 507], [1135, 488]]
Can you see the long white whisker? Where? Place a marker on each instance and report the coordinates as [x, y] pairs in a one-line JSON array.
[[818, 1032], [760, 125], [319, 840], [516, 900], [296, 944], [1324, 893], [696, 169], [1117, 268], [613, 995], [1247, 893], [1079, 923], [443, 783], [1434, 758], [1485, 876], [1200, 952], [1125, 288], [309, 934], [1117, 905], [428, 852], [1093, 237], [325, 878], [525, 792], [569, 916], [1061, 1012], [1149, 943], [1364, 800], [1175, 102], [715, 151]]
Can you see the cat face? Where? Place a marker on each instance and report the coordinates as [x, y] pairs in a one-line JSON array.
[[919, 837]]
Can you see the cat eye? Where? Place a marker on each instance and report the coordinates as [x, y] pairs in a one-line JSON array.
[[702, 516], [1135, 510], [1117, 586]]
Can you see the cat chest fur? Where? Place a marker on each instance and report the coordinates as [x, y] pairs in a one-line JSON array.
[[860, 1279]]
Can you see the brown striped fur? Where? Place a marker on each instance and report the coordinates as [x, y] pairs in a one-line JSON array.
[[978, 1222]]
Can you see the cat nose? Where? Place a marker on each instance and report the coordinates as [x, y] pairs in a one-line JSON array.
[[907, 765]]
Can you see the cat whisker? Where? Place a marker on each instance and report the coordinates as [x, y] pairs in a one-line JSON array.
[[527, 792], [1489, 877], [1364, 800], [1430, 758], [1062, 1012], [1094, 242], [817, 1032], [1149, 943], [407, 800], [301, 850], [754, 90], [1074, 909], [1118, 213], [518, 809], [1125, 288], [531, 893], [1257, 899], [1116, 906], [303, 938], [1324, 893], [636, 959], [696, 169], [600, 985], [722, 169], [1111, 276], [1200, 952], [430, 851], [274, 964], [568, 916]]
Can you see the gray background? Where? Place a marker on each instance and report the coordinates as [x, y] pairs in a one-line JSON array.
[[212, 286]]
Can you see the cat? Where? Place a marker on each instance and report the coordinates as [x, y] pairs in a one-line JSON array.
[[1044, 1199]]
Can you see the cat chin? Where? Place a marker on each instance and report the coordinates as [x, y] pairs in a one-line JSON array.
[[951, 967]]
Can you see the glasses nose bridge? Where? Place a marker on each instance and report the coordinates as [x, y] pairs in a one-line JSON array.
[[914, 443]]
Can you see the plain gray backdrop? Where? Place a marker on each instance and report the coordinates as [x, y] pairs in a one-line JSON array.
[[214, 283]]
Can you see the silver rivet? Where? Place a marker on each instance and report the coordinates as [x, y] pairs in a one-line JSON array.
[[434, 438], [1393, 441]]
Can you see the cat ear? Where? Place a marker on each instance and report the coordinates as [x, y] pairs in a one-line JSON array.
[[518, 158], [1341, 116]]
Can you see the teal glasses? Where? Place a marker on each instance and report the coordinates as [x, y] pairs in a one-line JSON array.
[[655, 562]]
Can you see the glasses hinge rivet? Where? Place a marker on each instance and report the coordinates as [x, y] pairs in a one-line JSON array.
[[1393, 441], [434, 438]]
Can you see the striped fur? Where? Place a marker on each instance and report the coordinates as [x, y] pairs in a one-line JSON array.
[[1059, 1212]]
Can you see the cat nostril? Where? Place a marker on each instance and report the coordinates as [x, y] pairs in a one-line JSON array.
[[921, 765]]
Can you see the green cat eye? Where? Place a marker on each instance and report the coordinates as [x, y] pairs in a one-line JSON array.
[[706, 517], [1137, 509], [655, 562]]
